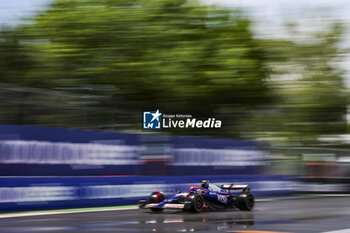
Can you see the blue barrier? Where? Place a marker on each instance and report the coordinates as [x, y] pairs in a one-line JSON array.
[[63, 135], [44, 151], [28, 193]]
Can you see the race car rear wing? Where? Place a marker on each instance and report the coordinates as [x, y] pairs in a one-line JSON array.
[[245, 187]]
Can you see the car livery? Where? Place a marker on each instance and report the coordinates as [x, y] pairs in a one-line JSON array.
[[199, 198]]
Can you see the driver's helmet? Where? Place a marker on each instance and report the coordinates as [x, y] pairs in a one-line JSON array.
[[205, 184]]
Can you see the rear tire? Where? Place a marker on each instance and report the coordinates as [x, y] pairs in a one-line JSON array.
[[245, 201], [197, 203], [156, 197]]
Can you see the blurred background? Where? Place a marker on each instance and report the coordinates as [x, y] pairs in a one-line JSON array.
[[76, 75]]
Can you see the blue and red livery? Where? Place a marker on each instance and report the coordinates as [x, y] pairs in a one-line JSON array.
[[199, 198]]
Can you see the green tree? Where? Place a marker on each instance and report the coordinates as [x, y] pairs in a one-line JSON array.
[[310, 98], [104, 62], [175, 55]]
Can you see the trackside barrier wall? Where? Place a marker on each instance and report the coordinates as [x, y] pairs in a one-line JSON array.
[[43, 151], [22, 193], [326, 185]]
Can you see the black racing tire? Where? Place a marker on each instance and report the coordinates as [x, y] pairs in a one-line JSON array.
[[197, 203], [245, 201], [156, 197]]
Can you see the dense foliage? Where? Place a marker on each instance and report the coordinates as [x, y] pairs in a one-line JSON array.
[[99, 64]]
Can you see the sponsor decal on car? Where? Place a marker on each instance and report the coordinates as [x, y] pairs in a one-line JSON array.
[[176, 206], [152, 205], [222, 198]]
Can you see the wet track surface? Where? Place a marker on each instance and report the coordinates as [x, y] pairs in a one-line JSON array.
[[295, 215]]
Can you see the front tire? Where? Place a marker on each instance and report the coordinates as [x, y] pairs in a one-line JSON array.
[[197, 203], [245, 201], [156, 197]]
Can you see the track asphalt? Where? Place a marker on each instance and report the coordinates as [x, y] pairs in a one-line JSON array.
[[307, 215]]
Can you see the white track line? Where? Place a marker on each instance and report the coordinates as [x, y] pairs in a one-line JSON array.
[[339, 231], [39, 213], [302, 197]]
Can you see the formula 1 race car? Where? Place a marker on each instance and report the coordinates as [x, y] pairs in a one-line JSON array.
[[208, 196]]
